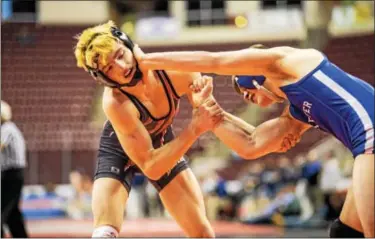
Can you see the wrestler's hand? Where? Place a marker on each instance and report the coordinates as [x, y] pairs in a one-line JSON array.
[[138, 55], [207, 116], [199, 83], [202, 89], [289, 142]]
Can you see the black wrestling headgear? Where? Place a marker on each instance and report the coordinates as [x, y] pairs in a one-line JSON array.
[[105, 80]]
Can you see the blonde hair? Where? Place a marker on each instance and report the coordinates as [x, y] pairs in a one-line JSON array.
[[94, 42]]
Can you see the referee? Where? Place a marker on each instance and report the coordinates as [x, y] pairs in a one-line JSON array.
[[13, 162]]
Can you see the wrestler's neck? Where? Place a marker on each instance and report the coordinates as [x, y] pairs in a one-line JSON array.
[[144, 88], [274, 87]]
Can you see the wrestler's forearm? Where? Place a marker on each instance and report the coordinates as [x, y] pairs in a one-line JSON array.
[[248, 128], [235, 134], [246, 140], [165, 158], [195, 61]]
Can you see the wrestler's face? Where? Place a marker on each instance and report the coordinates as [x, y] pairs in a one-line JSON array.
[[121, 65], [256, 97]]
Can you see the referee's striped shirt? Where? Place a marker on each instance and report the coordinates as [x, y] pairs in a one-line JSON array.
[[13, 147]]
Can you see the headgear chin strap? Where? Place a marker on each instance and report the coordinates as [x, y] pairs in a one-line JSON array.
[[253, 83], [105, 80]]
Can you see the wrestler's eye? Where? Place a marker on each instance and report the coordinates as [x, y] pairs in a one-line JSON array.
[[120, 55], [109, 68]]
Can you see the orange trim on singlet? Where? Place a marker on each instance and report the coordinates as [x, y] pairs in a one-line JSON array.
[[173, 99], [162, 123], [169, 83]]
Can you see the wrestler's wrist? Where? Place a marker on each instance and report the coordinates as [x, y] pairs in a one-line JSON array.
[[217, 125], [195, 129]]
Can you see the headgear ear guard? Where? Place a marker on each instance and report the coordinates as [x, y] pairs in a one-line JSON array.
[[105, 80], [249, 82], [253, 83]]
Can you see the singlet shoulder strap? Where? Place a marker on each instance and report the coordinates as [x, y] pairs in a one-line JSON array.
[[143, 114], [169, 83]]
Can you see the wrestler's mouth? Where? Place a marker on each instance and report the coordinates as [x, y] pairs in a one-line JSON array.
[[252, 100], [128, 72]]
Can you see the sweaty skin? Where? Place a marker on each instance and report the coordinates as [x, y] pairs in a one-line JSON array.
[[278, 64], [281, 66]]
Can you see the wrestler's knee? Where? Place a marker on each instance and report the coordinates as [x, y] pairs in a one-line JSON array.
[[108, 203]]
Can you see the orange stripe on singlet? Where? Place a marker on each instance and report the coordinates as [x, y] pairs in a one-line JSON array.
[[173, 98], [156, 126]]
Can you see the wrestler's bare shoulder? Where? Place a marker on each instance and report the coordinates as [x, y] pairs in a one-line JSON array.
[[114, 99], [288, 51], [299, 62]]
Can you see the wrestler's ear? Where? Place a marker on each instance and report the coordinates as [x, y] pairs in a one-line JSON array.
[[235, 85]]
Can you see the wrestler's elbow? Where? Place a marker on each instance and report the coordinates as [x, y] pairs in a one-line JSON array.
[[250, 150], [151, 171], [148, 165], [250, 154], [152, 174]]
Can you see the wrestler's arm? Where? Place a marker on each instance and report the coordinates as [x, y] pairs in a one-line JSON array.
[[253, 142], [236, 133], [137, 142], [246, 61]]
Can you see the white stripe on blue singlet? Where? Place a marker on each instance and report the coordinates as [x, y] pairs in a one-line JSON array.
[[354, 103]]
